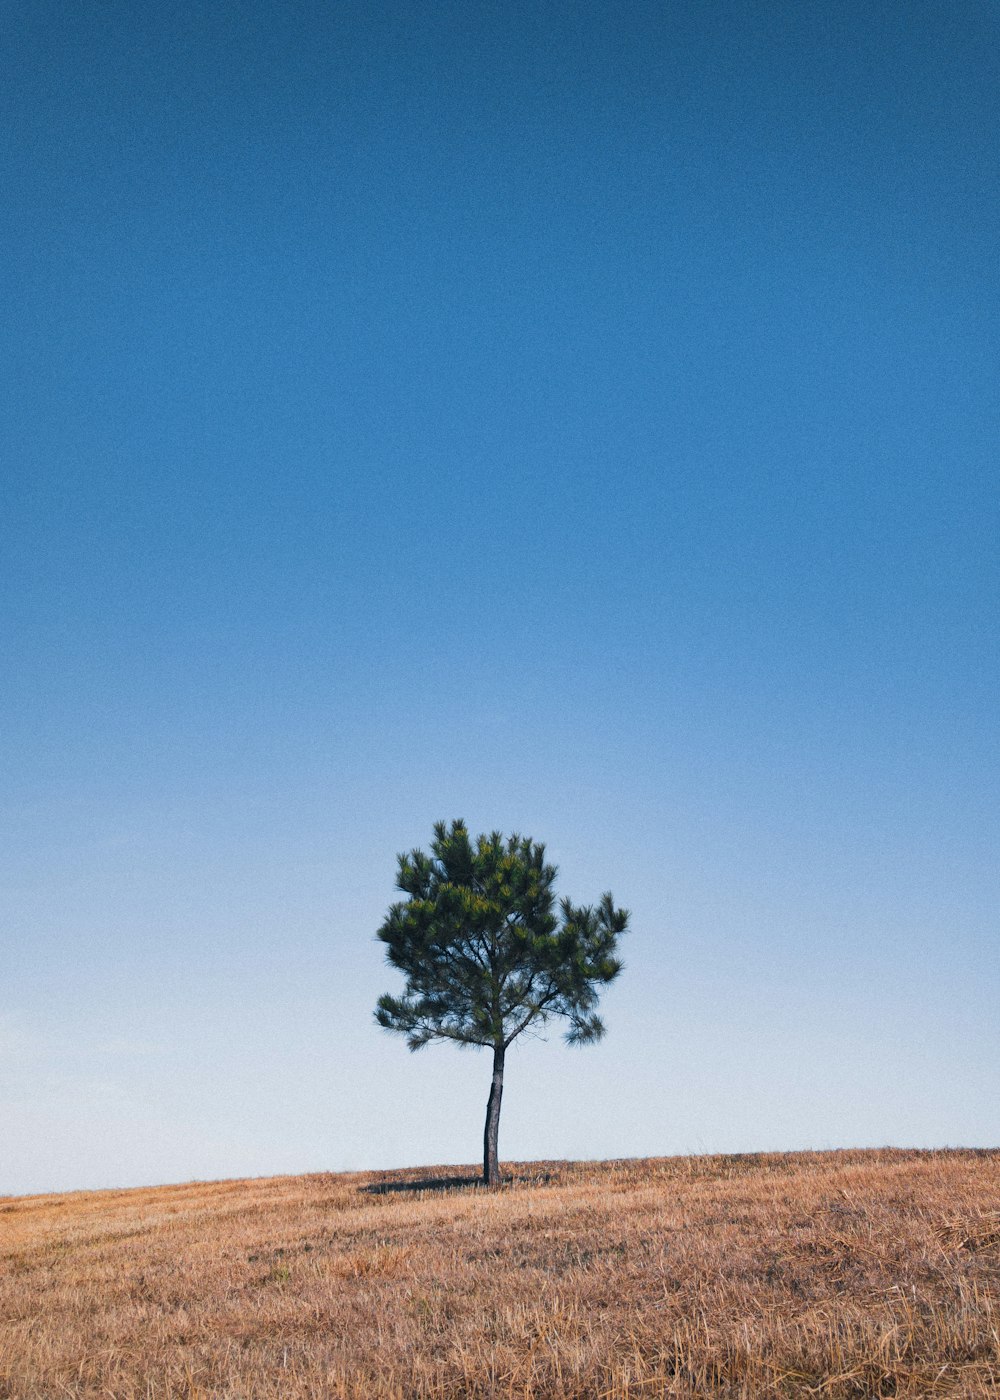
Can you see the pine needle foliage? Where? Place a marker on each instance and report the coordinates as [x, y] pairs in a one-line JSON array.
[[483, 951]]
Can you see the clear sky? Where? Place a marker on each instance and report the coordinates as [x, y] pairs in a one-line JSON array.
[[577, 418]]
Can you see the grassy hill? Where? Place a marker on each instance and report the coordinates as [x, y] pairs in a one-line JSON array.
[[829, 1274]]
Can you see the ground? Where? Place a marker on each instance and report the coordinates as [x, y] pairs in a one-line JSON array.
[[833, 1274]]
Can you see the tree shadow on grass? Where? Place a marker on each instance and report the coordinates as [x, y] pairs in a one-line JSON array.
[[427, 1183], [455, 1183]]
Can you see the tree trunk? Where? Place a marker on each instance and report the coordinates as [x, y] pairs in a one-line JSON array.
[[491, 1166]]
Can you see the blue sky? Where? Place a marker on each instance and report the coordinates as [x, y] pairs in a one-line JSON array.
[[578, 419]]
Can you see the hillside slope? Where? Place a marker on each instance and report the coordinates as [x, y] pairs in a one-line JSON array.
[[833, 1274]]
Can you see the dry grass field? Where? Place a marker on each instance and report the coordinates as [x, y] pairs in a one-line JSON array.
[[828, 1274]]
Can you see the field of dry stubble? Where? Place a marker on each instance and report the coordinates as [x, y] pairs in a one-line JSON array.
[[829, 1274]]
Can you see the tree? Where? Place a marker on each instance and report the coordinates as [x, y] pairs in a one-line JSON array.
[[486, 955]]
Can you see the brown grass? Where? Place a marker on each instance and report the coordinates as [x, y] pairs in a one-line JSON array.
[[829, 1274]]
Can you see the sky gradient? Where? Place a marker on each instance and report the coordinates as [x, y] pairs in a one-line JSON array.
[[577, 419]]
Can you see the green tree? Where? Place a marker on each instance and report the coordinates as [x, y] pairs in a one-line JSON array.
[[486, 954]]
